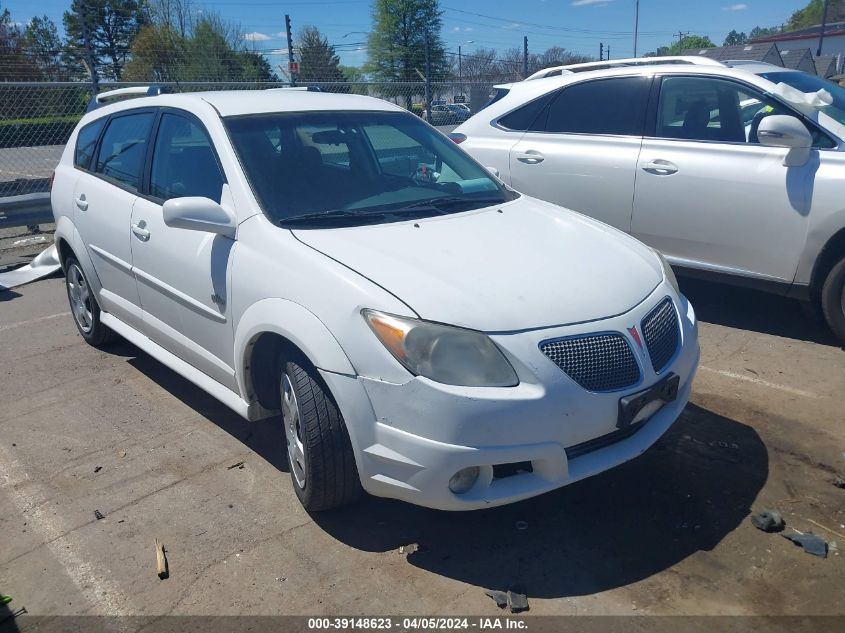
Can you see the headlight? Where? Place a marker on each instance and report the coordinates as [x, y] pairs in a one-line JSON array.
[[451, 355], [668, 273]]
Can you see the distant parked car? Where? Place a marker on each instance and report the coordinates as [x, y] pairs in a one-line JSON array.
[[726, 168], [419, 330], [446, 115]]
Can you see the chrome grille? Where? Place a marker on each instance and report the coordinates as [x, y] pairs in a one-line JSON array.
[[598, 362], [661, 334]]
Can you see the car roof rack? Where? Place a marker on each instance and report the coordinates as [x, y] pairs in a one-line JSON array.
[[303, 88], [621, 63], [99, 100]]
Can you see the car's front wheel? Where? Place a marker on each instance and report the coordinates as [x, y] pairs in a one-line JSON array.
[[83, 306], [833, 300], [320, 456]]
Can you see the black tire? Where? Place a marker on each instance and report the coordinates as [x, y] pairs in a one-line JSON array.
[[833, 300], [320, 456], [83, 306]]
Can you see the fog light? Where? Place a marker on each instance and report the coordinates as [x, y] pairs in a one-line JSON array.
[[464, 479]]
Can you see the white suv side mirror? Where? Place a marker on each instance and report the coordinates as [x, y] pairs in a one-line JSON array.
[[782, 130], [199, 214]]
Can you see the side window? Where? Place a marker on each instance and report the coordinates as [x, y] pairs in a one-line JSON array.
[[123, 147], [522, 119], [605, 106], [184, 163], [86, 143], [712, 109]]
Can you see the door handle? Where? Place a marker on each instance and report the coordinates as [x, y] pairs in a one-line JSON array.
[[660, 167], [81, 202], [530, 157], [140, 232]]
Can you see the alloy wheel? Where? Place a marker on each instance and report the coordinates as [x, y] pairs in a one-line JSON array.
[[80, 299], [292, 419]]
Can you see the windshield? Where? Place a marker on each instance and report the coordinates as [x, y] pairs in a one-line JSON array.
[[312, 169], [809, 83]]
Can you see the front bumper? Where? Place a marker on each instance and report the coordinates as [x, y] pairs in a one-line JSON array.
[[411, 438]]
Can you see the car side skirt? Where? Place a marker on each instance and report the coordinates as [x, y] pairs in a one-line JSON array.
[[782, 288]]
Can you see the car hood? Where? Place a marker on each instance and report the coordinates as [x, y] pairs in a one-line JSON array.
[[520, 265]]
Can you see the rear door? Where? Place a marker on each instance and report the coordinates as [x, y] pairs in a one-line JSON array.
[[103, 197], [183, 275], [581, 151]]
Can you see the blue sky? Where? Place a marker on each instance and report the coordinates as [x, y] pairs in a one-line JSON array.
[[577, 25]]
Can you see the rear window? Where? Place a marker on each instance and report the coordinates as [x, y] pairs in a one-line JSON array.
[[86, 143], [523, 118], [123, 148], [606, 106]]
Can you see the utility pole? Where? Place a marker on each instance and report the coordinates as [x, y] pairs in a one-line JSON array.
[[524, 56], [636, 26], [90, 59], [824, 24], [681, 36], [601, 51], [608, 52], [427, 77], [291, 61]]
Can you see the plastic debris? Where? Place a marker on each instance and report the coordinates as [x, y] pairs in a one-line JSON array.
[[768, 521], [517, 601], [45, 263], [500, 597], [99, 515], [5, 599], [811, 543]]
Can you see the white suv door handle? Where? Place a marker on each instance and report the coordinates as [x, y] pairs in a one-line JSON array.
[[140, 232], [660, 167], [81, 202], [530, 157]]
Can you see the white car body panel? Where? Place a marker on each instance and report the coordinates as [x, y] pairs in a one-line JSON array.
[[200, 303]]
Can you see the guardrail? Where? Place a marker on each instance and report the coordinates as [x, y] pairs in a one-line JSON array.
[[26, 210]]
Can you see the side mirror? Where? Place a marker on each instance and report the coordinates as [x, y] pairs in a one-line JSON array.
[[199, 214], [493, 171], [783, 130]]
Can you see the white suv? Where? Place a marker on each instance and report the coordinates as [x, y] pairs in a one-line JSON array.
[[733, 171], [424, 332]]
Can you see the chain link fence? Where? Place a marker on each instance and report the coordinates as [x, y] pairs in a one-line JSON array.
[[37, 118]]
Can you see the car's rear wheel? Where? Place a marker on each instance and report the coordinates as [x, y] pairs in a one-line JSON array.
[[83, 306], [833, 300], [320, 456]]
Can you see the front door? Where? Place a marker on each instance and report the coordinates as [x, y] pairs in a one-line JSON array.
[[183, 275], [708, 195]]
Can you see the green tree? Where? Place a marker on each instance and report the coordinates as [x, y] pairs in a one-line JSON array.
[[255, 67], [112, 25], [812, 14], [735, 39], [763, 31], [158, 53], [356, 77], [397, 42], [689, 42], [15, 64], [210, 57], [318, 60]]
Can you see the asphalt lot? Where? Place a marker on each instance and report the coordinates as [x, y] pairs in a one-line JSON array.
[[114, 431]]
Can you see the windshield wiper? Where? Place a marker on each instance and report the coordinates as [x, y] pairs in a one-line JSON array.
[[448, 202], [332, 214]]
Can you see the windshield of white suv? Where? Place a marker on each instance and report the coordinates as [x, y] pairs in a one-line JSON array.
[[319, 169], [809, 83]]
